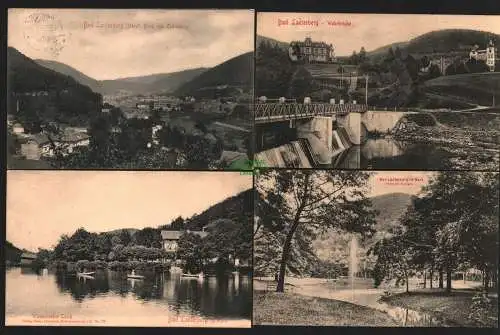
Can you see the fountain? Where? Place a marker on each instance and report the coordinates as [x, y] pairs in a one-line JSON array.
[[353, 262]]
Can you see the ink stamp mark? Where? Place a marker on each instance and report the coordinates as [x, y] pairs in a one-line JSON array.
[[44, 32]]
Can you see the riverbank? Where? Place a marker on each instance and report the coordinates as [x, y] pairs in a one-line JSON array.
[[455, 306], [271, 308], [472, 149]]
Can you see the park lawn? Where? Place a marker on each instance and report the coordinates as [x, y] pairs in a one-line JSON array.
[[271, 308], [454, 307]]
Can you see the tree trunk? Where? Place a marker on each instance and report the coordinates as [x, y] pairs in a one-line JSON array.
[[441, 279], [448, 281], [288, 242], [486, 281], [284, 258], [407, 284], [425, 279], [431, 277]]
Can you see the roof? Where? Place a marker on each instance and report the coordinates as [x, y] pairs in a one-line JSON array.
[[232, 156], [69, 135], [176, 234], [312, 44], [28, 255]]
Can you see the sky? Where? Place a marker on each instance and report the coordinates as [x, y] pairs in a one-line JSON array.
[[43, 205], [117, 43], [369, 30], [410, 182]]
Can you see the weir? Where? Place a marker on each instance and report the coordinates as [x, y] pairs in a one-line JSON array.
[[318, 133]]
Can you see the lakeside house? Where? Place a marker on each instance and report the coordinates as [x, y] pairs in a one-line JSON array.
[[170, 238], [36, 146], [170, 243], [27, 258]]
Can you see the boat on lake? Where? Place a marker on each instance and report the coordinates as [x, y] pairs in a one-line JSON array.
[[133, 275], [191, 276], [89, 275]]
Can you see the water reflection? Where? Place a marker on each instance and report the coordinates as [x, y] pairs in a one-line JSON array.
[[411, 318], [387, 153], [223, 297]]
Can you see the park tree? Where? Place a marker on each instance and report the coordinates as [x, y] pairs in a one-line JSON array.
[[312, 201], [394, 259]]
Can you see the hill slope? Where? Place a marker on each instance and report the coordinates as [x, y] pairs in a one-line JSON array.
[[390, 207], [155, 83], [238, 208], [272, 41], [67, 99], [67, 70], [236, 72], [441, 41]]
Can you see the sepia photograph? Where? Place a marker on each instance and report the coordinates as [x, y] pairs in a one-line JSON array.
[[376, 248], [128, 248], [129, 88], [377, 91]]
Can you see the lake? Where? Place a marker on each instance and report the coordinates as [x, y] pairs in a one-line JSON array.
[[110, 299]]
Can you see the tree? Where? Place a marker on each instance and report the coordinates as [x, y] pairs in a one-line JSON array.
[[362, 56], [148, 237], [190, 251], [313, 201], [228, 239], [394, 259], [80, 246], [397, 53], [125, 237], [301, 83]]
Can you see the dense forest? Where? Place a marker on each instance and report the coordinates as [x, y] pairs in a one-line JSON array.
[[45, 95]]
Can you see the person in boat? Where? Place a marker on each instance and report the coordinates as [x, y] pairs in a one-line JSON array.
[[133, 272]]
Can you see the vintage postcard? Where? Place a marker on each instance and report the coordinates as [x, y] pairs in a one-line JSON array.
[[118, 248], [376, 248], [373, 91], [116, 88]]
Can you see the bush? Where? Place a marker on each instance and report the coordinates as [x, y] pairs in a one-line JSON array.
[[480, 308], [117, 266], [82, 264]]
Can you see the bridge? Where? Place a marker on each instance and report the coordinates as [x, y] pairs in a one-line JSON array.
[[274, 112]]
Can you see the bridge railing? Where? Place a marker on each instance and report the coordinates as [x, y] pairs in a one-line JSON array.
[[286, 111]]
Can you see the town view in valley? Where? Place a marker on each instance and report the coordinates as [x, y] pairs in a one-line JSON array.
[[129, 88], [376, 248], [129, 249], [377, 91]]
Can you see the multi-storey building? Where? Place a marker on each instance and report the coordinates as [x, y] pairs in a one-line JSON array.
[[311, 51], [487, 55]]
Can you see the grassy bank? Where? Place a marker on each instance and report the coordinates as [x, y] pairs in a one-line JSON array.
[[455, 306], [272, 308]]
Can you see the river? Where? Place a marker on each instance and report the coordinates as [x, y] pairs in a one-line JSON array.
[[110, 299]]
